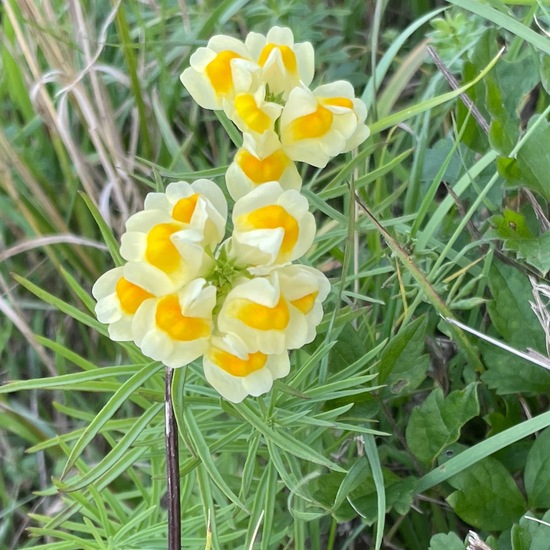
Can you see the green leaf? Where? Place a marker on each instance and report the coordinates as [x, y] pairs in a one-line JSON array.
[[446, 541], [537, 472], [510, 311], [116, 454], [403, 363], [508, 374], [283, 439], [114, 403], [487, 496], [531, 166], [535, 251], [531, 535], [204, 453], [503, 20], [484, 448], [437, 422], [510, 225]]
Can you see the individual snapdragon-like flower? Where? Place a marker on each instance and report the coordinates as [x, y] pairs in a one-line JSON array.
[[271, 226], [259, 161], [235, 372], [251, 112], [219, 71], [305, 289], [117, 302], [276, 312], [176, 328], [201, 208], [284, 63], [160, 254], [320, 124]]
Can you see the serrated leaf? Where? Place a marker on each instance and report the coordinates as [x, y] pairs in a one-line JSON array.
[[403, 363], [436, 423], [509, 374], [487, 496], [537, 472], [535, 251], [446, 541], [510, 311]]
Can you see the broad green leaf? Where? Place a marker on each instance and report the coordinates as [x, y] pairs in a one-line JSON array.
[[398, 496], [537, 472], [487, 497], [403, 363], [535, 251], [509, 374], [483, 449], [531, 165], [530, 534], [446, 541], [510, 311], [437, 422], [510, 225]]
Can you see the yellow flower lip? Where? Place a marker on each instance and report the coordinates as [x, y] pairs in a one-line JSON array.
[[314, 125], [235, 365], [160, 251], [274, 216], [260, 171], [262, 317], [130, 296], [287, 54], [183, 210], [252, 115], [171, 320], [305, 303], [219, 72]]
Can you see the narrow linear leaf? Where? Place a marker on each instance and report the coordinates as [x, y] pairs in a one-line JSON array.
[[117, 452], [118, 398], [284, 440], [205, 454]]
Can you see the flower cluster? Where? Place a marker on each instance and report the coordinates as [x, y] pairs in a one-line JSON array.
[[241, 303], [262, 86]]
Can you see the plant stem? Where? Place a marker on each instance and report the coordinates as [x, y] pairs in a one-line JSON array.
[[172, 467]]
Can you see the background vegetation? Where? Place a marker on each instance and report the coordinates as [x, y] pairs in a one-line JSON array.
[[395, 427]]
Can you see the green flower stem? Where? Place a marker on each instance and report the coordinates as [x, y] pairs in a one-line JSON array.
[[172, 467]]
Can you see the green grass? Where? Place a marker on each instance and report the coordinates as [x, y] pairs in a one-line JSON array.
[[395, 428]]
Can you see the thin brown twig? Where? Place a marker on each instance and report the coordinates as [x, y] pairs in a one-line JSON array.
[[172, 467], [453, 83]]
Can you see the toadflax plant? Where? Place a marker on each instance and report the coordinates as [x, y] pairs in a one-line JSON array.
[[240, 303]]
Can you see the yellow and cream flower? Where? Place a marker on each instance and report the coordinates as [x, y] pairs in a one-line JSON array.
[[259, 160], [161, 257], [235, 372], [305, 289], [201, 208], [320, 124], [271, 226], [251, 112], [176, 328], [270, 315], [117, 302], [285, 64], [219, 71]]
